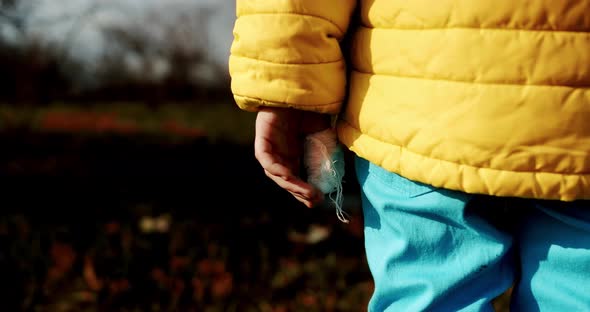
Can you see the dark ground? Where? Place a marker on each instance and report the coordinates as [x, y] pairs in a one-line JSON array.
[[134, 223]]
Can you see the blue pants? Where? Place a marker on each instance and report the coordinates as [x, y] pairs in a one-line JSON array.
[[431, 249]]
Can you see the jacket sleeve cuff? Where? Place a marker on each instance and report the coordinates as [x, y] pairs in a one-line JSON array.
[[313, 87]]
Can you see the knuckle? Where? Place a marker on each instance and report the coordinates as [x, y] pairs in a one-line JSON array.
[[258, 155]]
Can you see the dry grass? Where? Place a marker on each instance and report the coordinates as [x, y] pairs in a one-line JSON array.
[[215, 121]]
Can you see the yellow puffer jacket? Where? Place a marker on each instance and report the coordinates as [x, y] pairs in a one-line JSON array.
[[487, 96]]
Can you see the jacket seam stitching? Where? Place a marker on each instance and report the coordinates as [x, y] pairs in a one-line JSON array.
[[283, 63], [577, 32], [287, 103], [342, 32], [579, 87], [402, 148]]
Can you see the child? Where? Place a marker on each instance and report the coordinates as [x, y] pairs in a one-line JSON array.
[[463, 115]]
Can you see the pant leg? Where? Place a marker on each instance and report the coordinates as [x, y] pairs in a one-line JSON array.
[[426, 249], [554, 247]]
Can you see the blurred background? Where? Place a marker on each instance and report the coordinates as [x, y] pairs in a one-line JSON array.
[[128, 178]]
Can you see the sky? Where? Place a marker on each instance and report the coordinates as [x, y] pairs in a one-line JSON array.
[[97, 41]]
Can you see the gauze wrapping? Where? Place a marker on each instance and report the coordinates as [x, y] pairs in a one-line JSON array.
[[324, 162]]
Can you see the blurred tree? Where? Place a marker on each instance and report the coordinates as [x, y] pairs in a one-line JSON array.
[[150, 49]]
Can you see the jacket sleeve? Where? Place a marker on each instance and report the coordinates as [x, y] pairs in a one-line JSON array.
[[286, 53]]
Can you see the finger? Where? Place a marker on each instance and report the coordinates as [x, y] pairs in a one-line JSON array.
[[292, 184], [298, 188], [274, 167], [277, 165], [272, 135], [269, 159], [302, 191], [310, 203], [306, 202]]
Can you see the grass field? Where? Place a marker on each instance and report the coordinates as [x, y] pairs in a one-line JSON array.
[[214, 121]]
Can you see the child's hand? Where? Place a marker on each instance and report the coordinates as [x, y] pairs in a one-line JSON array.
[[278, 146]]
